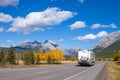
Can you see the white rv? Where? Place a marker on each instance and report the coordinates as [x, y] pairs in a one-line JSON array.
[[86, 57]]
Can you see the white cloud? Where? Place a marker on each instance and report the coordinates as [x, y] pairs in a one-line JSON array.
[[81, 1], [49, 28], [102, 34], [86, 37], [97, 25], [5, 17], [94, 26], [113, 25], [1, 29], [40, 20], [5, 3], [77, 25], [9, 41], [61, 40], [92, 36]]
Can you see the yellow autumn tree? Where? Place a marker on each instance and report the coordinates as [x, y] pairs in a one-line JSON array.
[[36, 55], [51, 56], [42, 55], [48, 54], [56, 55]]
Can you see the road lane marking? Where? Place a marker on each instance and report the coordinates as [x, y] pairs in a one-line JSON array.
[[76, 74], [80, 72]]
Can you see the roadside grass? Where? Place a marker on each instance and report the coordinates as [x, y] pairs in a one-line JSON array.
[[43, 63], [113, 71]]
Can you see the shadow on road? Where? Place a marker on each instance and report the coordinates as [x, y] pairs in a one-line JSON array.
[[82, 65]]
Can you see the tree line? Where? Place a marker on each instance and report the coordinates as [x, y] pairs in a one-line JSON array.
[[31, 57], [50, 56], [117, 56], [9, 58]]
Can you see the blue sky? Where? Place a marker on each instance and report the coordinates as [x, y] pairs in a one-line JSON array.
[[69, 23]]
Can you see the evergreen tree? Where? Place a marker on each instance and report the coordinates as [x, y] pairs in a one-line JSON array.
[[31, 57], [38, 59], [4, 60], [11, 56], [26, 58], [1, 55]]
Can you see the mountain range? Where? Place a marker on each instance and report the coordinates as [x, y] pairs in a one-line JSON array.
[[108, 46], [45, 46]]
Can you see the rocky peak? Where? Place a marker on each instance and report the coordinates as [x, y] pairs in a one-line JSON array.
[[47, 41], [108, 40], [36, 42], [38, 45]]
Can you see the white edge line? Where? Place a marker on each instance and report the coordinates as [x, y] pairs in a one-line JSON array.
[[80, 73], [76, 74]]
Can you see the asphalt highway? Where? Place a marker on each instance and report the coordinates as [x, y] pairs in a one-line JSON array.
[[59, 72]]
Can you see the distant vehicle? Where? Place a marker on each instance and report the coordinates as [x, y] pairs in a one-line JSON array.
[[86, 57]]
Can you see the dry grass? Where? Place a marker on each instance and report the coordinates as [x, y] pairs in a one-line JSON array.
[[69, 62], [43, 63], [113, 71]]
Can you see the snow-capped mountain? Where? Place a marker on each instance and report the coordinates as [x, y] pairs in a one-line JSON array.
[[72, 51], [46, 45], [109, 45], [108, 40]]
